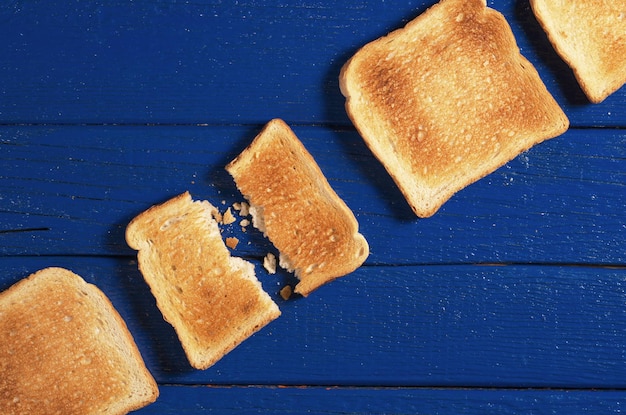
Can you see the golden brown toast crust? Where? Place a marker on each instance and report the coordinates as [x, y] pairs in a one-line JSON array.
[[213, 300], [447, 100], [64, 349], [590, 36], [303, 216]]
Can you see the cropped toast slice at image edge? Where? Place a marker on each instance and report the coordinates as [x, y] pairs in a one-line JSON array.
[[213, 300], [65, 349], [590, 36], [447, 100], [291, 201]]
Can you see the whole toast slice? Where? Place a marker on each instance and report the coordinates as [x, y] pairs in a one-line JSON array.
[[590, 36], [213, 300], [446, 100], [64, 349], [291, 201]]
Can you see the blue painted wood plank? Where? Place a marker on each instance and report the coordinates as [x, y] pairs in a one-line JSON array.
[[213, 62], [427, 326], [73, 190], [277, 400]]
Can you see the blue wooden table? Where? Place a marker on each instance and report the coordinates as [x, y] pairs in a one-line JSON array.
[[510, 300]]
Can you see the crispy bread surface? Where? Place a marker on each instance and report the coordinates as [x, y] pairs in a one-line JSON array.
[[293, 204], [65, 350], [590, 36], [213, 300], [447, 100]]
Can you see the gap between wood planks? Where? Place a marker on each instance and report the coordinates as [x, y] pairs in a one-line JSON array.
[[330, 126], [383, 387], [24, 230], [615, 266]]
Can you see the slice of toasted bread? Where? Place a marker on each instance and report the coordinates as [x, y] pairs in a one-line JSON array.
[[213, 300], [291, 201], [447, 100], [64, 349], [590, 36]]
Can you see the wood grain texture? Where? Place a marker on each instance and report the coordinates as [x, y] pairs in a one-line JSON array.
[[561, 202], [346, 401], [511, 299], [172, 62], [392, 326]]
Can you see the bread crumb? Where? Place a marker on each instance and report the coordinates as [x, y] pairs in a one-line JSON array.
[[232, 242], [244, 223], [269, 263], [228, 217], [245, 209], [286, 292], [242, 207]]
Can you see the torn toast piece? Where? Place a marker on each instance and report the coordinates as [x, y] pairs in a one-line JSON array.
[[291, 201], [446, 100], [213, 300], [64, 349], [590, 36]]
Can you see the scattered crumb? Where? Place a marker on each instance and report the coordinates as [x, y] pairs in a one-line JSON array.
[[228, 217], [269, 263], [245, 209], [286, 292], [244, 223], [232, 242], [223, 202]]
